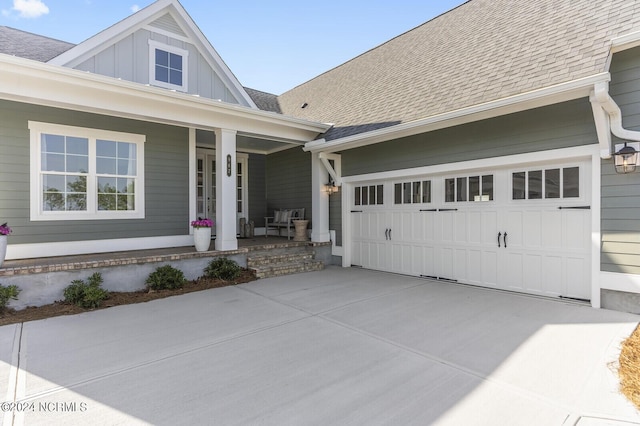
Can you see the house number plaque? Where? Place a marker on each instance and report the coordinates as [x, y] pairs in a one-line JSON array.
[[229, 165]]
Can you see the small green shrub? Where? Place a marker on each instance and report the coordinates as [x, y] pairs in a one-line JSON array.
[[222, 268], [87, 295], [166, 278], [7, 293]]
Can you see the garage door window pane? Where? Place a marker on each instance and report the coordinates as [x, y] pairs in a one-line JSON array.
[[426, 191], [406, 199], [461, 190], [487, 187], [372, 195], [397, 193], [552, 183], [417, 192], [518, 184], [571, 182], [380, 195], [535, 185], [365, 196], [474, 188], [449, 190], [357, 196]]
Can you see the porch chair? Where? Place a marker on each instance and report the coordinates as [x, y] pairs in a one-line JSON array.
[[282, 218]]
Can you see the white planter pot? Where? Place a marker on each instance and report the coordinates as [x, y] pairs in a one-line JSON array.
[[202, 238], [3, 248]]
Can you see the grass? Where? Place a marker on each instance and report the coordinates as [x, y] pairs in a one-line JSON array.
[[629, 370]]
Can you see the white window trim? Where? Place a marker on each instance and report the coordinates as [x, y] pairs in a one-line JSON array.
[[153, 45], [92, 213]]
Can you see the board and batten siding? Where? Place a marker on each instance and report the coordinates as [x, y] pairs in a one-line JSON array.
[[620, 217], [128, 59], [166, 178]]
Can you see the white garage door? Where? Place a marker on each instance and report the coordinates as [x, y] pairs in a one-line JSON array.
[[524, 229]]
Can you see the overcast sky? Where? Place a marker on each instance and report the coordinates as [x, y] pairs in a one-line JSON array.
[[270, 45]]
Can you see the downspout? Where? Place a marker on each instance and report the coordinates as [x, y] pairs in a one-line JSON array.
[[608, 119]]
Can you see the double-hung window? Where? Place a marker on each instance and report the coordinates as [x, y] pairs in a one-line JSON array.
[[81, 174], [168, 66]]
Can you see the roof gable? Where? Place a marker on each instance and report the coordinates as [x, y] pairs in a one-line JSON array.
[[479, 52], [165, 19]]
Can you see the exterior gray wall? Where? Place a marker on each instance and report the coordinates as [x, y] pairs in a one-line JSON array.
[[166, 178], [128, 59], [558, 126], [335, 215], [257, 189], [289, 181], [621, 193]]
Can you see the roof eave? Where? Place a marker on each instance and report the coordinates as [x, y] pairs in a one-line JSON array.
[[34, 82], [562, 92]]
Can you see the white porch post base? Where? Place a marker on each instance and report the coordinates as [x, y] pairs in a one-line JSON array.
[[319, 201], [226, 190]]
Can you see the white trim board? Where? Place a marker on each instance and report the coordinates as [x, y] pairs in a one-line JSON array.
[[618, 281], [70, 248]]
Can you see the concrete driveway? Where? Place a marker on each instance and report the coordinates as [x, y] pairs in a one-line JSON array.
[[340, 346]]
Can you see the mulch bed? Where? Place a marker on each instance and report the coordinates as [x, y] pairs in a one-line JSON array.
[[629, 370], [32, 313]]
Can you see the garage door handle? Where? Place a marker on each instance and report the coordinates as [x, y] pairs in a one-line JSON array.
[[428, 210], [575, 208], [505, 240], [356, 211], [389, 234], [447, 210], [386, 234], [499, 235]]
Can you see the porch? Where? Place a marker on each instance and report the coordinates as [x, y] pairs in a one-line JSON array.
[[43, 279]]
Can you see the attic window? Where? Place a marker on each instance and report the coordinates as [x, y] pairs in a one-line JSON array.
[[168, 66]]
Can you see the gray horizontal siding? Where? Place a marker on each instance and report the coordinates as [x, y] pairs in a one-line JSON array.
[[166, 178], [257, 189], [620, 214], [289, 181], [558, 126]]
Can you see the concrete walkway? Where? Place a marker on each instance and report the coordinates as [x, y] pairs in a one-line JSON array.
[[341, 346]]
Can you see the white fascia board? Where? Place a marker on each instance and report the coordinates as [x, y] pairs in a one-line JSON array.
[[33, 82], [537, 98]]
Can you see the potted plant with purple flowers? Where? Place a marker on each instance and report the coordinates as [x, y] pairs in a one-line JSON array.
[[4, 231], [202, 233]]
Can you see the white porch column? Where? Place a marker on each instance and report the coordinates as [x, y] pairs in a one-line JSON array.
[[226, 190], [319, 201]]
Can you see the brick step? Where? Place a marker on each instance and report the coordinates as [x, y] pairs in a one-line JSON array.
[[280, 269], [275, 259]]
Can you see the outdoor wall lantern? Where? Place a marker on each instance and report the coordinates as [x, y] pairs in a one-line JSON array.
[[626, 159], [331, 188]]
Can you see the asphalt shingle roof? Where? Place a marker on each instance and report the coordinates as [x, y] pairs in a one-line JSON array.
[[30, 46], [264, 101], [480, 51]]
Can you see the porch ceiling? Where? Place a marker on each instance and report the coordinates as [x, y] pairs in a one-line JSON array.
[[247, 143]]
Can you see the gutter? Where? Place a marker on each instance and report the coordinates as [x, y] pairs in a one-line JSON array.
[[608, 119], [562, 92]]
